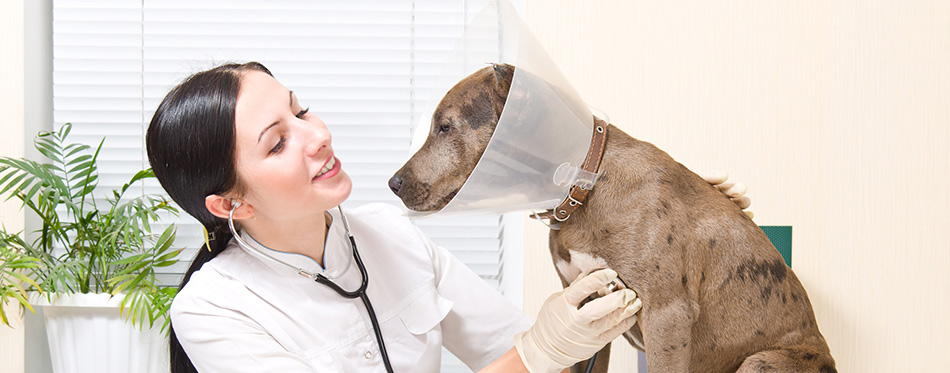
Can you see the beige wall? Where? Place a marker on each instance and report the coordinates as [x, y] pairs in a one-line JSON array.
[[11, 144], [835, 113]]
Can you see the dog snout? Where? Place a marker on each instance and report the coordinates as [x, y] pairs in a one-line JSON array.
[[395, 183]]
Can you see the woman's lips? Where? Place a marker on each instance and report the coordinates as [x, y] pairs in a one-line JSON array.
[[330, 169]]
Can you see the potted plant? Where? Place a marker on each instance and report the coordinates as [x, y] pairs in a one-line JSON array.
[[94, 255]]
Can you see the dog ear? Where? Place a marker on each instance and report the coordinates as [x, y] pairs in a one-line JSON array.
[[503, 75]]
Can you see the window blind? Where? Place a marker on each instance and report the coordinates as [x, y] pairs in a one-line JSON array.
[[367, 68]]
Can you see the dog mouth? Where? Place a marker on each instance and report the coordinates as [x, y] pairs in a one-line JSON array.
[[445, 200], [423, 204], [420, 197]]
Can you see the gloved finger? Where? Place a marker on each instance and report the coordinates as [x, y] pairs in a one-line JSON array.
[[733, 189], [743, 202], [715, 177], [605, 290], [578, 277], [616, 331], [602, 307], [553, 296], [617, 316], [581, 288]]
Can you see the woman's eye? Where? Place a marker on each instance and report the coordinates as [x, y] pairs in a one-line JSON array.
[[280, 145], [302, 113]]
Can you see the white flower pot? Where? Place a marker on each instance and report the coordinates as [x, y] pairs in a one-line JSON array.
[[87, 333]]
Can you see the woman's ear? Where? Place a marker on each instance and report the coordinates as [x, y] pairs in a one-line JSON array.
[[221, 206]]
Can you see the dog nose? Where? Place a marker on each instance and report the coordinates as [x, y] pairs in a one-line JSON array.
[[395, 183]]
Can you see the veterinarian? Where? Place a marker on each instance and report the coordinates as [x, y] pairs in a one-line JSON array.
[[231, 144]]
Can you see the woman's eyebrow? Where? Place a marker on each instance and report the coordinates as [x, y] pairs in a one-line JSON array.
[[275, 123], [265, 130]]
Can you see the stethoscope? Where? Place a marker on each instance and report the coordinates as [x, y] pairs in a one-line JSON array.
[[320, 278]]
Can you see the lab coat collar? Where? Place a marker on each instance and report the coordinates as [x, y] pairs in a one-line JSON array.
[[337, 254]]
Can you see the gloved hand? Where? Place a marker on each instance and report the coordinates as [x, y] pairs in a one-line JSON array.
[[564, 334], [735, 191]]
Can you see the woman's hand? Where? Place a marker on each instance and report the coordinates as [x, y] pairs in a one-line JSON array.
[[566, 333], [735, 191]]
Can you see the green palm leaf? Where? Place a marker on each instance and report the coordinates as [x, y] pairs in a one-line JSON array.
[[81, 247], [15, 267]]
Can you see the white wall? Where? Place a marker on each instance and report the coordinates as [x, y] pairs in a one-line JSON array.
[[11, 144], [835, 113]]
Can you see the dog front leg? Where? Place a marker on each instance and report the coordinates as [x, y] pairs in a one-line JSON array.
[[666, 333]]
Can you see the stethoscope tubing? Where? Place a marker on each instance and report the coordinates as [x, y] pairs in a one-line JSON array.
[[321, 279]]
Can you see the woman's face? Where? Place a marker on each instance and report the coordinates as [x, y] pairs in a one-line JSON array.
[[283, 153]]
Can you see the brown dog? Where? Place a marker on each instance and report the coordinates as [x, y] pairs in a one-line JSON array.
[[717, 296]]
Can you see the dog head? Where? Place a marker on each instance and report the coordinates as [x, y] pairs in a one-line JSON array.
[[462, 126]]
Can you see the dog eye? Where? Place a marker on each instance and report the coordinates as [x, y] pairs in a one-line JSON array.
[[445, 127]]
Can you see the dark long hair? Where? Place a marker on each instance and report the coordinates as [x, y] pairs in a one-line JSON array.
[[191, 148]]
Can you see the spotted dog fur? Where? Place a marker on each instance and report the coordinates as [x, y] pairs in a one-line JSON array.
[[717, 296]]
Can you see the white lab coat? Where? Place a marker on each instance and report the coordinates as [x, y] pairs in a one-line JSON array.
[[243, 313]]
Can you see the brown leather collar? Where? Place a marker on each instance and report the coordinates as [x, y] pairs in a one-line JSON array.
[[578, 194]]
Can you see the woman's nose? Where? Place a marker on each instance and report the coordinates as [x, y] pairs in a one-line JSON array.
[[317, 139], [314, 146]]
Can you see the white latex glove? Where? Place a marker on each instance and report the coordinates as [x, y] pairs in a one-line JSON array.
[[564, 334], [735, 191]]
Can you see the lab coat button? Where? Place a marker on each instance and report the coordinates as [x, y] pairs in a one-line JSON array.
[[368, 355]]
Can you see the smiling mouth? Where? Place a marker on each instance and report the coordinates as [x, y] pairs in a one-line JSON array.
[[327, 167]]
